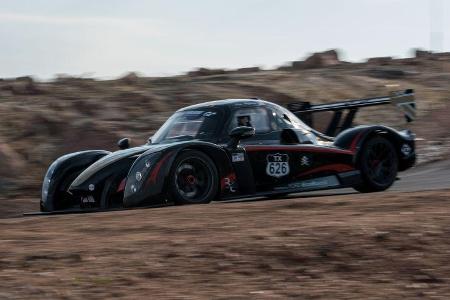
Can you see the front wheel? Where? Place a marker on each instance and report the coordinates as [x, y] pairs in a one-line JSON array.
[[193, 179], [378, 165]]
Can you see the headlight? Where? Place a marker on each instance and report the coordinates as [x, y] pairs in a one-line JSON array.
[[139, 172]]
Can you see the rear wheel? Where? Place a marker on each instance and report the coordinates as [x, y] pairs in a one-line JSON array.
[[193, 179], [378, 165]]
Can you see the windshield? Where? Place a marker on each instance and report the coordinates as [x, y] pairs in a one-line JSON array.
[[189, 125]]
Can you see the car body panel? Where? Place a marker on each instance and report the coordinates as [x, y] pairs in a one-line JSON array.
[[60, 174], [159, 161]]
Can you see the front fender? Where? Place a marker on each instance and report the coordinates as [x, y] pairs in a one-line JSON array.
[[153, 167], [116, 163], [62, 172], [353, 139]]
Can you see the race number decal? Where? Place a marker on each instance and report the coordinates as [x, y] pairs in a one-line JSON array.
[[277, 165]]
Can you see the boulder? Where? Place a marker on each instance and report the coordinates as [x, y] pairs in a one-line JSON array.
[[386, 73], [298, 65], [248, 70], [419, 53], [206, 72], [318, 60], [23, 86], [285, 68], [412, 61], [129, 78], [385, 60], [442, 56]]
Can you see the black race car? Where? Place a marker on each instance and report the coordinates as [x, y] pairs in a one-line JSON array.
[[236, 148]]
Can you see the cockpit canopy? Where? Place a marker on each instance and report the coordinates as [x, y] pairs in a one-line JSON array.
[[212, 121]]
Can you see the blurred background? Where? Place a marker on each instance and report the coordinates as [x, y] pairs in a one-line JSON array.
[[81, 74]]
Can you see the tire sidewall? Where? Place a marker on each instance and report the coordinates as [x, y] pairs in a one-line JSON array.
[[370, 185], [173, 194]]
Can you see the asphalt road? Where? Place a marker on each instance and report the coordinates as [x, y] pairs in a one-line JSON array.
[[431, 176]]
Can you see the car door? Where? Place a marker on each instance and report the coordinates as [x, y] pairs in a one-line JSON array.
[[277, 166], [267, 134]]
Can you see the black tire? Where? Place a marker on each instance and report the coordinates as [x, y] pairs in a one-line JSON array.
[[193, 179], [378, 164]]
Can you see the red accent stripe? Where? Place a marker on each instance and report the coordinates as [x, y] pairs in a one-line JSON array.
[[297, 149], [355, 141], [155, 172], [333, 168], [121, 185]]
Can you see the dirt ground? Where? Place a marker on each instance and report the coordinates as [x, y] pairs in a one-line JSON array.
[[358, 246]]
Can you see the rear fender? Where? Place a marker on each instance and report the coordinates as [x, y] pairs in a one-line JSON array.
[[60, 175], [154, 168], [353, 139]]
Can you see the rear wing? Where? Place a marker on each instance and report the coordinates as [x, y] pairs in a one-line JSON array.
[[403, 100]]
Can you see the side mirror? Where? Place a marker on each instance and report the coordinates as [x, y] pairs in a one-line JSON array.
[[239, 133], [124, 143]]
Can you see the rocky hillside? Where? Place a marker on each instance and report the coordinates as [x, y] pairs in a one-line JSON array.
[[39, 121]]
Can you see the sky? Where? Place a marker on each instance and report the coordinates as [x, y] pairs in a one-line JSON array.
[[108, 38]]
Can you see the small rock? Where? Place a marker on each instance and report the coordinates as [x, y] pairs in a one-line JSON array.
[[381, 235], [380, 60]]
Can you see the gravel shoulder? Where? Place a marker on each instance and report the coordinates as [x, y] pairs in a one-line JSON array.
[[359, 246]]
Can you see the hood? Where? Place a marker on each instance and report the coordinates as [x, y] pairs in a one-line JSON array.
[[105, 162]]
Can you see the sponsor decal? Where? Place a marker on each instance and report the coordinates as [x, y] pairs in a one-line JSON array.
[[277, 165], [305, 161], [88, 199], [236, 157], [209, 114], [322, 182], [229, 183]]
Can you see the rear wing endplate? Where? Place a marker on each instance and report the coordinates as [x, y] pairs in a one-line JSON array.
[[403, 100]]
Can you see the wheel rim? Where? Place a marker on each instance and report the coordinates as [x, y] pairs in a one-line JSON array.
[[193, 179], [381, 164]]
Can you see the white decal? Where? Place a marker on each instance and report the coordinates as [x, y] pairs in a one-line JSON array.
[[229, 185], [328, 181], [406, 149], [237, 157], [209, 114], [277, 165]]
